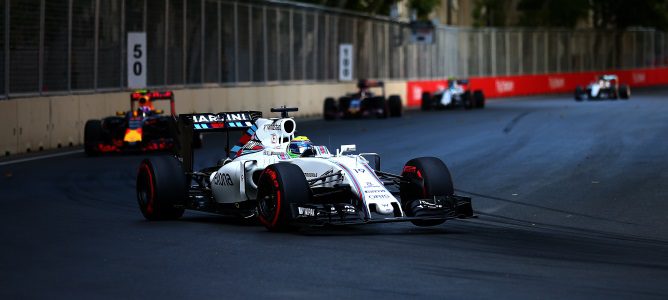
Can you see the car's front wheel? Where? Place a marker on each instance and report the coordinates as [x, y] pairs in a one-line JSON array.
[[429, 178], [279, 186]]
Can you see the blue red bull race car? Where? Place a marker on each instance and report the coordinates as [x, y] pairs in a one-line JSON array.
[[142, 128]]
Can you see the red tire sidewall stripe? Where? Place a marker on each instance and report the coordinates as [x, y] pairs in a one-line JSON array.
[[149, 205]]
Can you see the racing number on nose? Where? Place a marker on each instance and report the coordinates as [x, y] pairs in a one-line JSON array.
[[137, 53]]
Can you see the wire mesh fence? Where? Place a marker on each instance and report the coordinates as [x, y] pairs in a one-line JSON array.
[[65, 46]]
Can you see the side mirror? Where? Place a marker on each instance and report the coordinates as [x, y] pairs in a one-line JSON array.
[[348, 148]]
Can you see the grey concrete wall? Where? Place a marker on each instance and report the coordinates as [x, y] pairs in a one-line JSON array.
[[40, 123]]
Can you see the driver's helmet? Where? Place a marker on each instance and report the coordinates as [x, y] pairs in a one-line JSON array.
[[145, 101], [298, 145], [145, 110]]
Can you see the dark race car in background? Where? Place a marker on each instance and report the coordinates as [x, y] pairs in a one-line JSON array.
[[363, 103], [142, 128], [457, 94], [605, 87]]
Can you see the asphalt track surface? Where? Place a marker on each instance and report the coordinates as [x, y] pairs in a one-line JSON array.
[[572, 201]]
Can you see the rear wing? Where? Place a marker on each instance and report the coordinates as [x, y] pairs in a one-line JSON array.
[[459, 81], [190, 124], [609, 77], [367, 83], [136, 95]]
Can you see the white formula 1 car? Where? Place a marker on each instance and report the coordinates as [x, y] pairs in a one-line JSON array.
[[605, 87], [284, 186], [457, 94]]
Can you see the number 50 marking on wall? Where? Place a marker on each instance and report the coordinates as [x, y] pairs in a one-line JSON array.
[[136, 59]]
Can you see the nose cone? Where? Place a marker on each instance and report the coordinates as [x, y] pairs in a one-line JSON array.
[[132, 135]]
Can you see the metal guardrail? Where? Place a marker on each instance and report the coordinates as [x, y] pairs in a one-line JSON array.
[[78, 46]]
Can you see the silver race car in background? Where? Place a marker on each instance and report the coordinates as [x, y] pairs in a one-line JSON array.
[[457, 94], [284, 180], [605, 87]]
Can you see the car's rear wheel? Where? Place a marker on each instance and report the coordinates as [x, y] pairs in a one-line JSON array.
[[426, 101], [279, 186], [430, 177], [479, 99], [161, 185], [92, 137], [329, 109], [468, 102], [344, 106], [379, 106], [394, 103], [624, 92]]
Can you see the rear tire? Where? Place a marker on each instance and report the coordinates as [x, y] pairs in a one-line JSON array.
[[479, 99], [279, 186], [624, 92], [379, 105], [394, 103], [344, 106], [468, 102], [434, 180], [578, 93], [161, 184], [426, 101], [92, 137], [329, 109]]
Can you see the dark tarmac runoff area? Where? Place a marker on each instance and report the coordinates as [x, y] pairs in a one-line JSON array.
[[572, 200]]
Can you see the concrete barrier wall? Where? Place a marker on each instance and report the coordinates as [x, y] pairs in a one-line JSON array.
[[40, 123]]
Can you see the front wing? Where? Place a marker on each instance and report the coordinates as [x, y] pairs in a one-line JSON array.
[[439, 208]]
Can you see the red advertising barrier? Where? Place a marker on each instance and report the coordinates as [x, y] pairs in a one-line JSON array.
[[522, 85]]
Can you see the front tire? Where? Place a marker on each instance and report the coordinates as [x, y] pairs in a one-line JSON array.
[[161, 184], [279, 186], [431, 178]]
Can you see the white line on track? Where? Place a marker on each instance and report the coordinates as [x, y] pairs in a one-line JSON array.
[[11, 162]]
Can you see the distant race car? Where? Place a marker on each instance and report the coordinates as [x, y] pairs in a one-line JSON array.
[[285, 180], [457, 94], [363, 103], [605, 87], [143, 128]]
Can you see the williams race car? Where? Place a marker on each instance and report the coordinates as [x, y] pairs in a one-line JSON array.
[[140, 129], [363, 103], [286, 181], [457, 94], [605, 87]]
